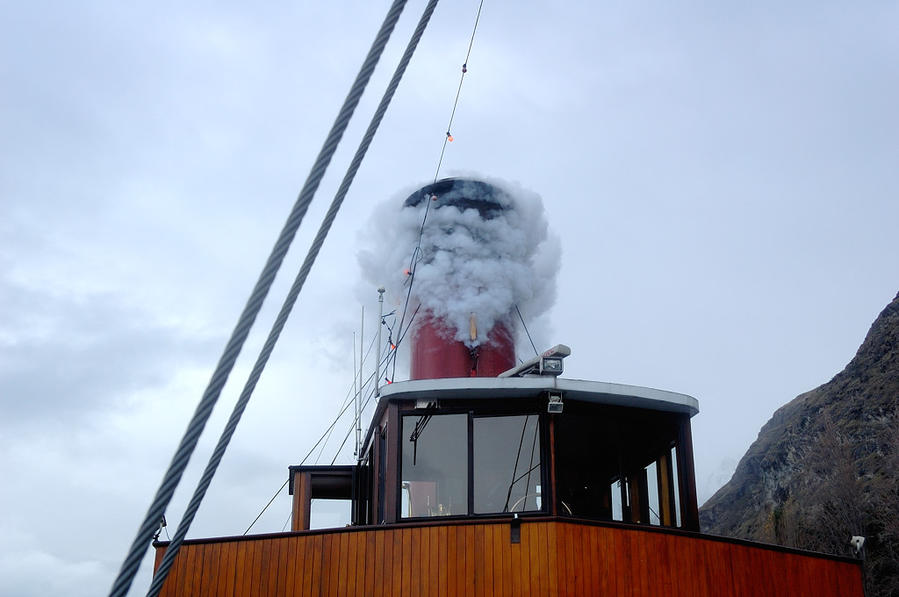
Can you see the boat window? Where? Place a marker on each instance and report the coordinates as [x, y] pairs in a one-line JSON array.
[[589, 467], [662, 505], [434, 465], [507, 468], [329, 514], [616, 491], [617, 465], [653, 494], [675, 485]]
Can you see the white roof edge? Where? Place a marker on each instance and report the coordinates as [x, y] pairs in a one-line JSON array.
[[600, 392]]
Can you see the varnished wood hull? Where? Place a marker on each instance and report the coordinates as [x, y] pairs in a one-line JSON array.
[[554, 557]]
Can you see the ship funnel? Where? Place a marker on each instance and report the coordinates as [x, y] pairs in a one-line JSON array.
[[460, 223], [467, 261]]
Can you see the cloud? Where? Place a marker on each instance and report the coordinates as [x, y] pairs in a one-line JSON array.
[[26, 573], [67, 357]]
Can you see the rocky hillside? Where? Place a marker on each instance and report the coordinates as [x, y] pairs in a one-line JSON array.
[[826, 466]]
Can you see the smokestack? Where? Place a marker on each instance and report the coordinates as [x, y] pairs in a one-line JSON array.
[[436, 348], [436, 353], [483, 254]]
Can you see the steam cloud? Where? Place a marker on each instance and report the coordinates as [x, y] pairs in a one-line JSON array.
[[468, 264]]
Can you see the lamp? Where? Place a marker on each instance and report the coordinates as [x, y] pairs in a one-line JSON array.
[[554, 406]]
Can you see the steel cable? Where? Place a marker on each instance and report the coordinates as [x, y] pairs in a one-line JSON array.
[[287, 307], [344, 407], [449, 126], [416, 253], [170, 481]]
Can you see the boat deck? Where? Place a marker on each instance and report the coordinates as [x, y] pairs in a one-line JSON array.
[[542, 556]]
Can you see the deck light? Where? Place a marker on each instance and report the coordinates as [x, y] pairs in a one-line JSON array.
[[550, 366], [548, 363], [554, 406]]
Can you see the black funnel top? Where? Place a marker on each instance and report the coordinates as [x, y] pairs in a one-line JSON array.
[[463, 193]]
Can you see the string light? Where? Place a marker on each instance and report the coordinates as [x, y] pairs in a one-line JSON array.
[[410, 272]]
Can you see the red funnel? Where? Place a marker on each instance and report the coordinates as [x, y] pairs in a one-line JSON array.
[[436, 354]]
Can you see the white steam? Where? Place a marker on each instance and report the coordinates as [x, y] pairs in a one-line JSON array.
[[468, 264]]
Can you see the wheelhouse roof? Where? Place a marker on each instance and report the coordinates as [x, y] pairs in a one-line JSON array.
[[499, 388], [597, 392]]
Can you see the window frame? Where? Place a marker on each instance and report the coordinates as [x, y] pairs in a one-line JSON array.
[[541, 434], [472, 414]]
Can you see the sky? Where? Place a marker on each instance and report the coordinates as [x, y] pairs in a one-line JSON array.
[[721, 177]]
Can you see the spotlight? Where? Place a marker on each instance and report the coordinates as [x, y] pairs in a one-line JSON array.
[[554, 406], [550, 366], [548, 363]]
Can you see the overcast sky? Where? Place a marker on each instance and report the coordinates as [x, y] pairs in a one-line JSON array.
[[722, 178]]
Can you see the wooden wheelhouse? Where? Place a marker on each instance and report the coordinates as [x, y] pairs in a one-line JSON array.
[[488, 446], [471, 486]]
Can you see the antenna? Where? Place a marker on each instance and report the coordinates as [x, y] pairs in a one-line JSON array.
[[358, 452], [378, 351]]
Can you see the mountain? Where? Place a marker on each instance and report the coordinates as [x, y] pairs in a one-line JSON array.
[[826, 466]]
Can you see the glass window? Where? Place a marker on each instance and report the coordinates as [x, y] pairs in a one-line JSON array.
[[615, 492], [652, 485], [507, 464], [329, 514], [435, 465], [675, 487]]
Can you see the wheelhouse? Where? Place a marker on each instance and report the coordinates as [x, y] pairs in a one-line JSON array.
[[516, 446]]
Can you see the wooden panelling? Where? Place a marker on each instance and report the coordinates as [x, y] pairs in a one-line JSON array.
[[555, 557], [302, 499], [687, 481]]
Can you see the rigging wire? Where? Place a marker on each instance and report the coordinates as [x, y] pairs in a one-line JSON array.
[[286, 522], [371, 394], [293, 294], [416, 253], [402, 330], [352, 392], [323, 437], [400, 341], [327, 432], [515, 470], [526, 331], [449, 126], [345, 405], [527, 485], [226, 362], [352, 426], [302, 462], [391, 353], [525, 474]]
